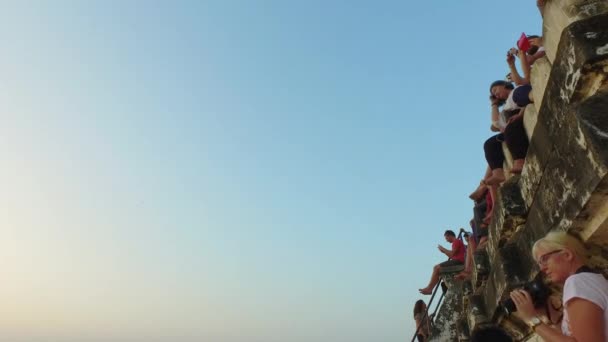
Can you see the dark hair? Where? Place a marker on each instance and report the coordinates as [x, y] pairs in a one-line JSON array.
[[449, 232], [503, 83], [418, 307], [491, 333]]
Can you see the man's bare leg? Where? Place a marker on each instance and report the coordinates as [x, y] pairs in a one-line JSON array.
[[434, 280]]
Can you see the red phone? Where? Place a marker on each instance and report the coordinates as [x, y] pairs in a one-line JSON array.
[[523, 43]]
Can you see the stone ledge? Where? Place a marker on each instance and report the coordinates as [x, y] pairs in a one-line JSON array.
[[541, 69], [558, 14]]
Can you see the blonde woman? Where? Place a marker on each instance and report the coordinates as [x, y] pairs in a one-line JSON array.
[[562, 257]]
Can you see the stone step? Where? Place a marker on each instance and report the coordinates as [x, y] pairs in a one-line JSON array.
[[558, 14]]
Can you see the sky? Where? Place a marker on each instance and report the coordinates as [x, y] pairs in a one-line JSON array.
[[237, 171]]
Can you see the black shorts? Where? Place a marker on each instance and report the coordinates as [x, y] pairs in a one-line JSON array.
[[450, 263], [521, 95]]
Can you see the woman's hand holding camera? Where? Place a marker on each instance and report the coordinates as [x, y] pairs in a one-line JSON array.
[[524, 304]]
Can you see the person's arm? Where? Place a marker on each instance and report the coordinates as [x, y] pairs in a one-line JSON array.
[[451, 253], [517, 116], [586, 320], [526, 311], [495, 115], [445, 251], [515, 77], [525, 67]]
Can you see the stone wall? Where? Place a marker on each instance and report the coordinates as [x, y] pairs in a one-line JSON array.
[[564, 183]]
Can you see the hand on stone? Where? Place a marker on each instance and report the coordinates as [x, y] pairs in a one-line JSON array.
[[524, 304]]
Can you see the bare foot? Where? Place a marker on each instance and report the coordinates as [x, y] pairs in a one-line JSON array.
[[425, 291], [479, 193], [497, 177]]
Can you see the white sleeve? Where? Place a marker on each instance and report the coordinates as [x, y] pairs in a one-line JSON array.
[[587, 286]]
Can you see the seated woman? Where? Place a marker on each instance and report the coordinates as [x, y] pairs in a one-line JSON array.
[[423, 326], [562, 258], [510, 123]]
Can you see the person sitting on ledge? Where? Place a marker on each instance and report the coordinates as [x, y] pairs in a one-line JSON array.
[[468, 266], [456, 255], [509, 121], [562, 257]]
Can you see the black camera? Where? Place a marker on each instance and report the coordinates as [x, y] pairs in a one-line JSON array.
[[537, 289]]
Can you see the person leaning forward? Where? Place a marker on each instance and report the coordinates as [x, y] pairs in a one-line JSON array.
[[456, 255]]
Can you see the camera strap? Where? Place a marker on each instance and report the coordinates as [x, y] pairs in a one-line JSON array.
[[585, 269]]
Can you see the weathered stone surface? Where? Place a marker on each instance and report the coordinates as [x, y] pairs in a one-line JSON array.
[[446, 322], [535, 164], [541, 69], [482, 267], [582, 57], [592, 221], [509, 212], [477, 311], [508, 164], [558, 14], [559, 137], [530, 118]]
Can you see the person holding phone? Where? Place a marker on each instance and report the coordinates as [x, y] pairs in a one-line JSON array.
[[456, 255]]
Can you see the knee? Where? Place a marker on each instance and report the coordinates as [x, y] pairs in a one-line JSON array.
[[492, 144], [487, 146]]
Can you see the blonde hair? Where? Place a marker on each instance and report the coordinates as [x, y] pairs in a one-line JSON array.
[[562, 240]]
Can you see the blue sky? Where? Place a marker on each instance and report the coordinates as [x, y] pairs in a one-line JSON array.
[[238, 171]]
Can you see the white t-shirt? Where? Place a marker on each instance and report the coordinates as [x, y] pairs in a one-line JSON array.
[[509, 103], [588, 286]]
